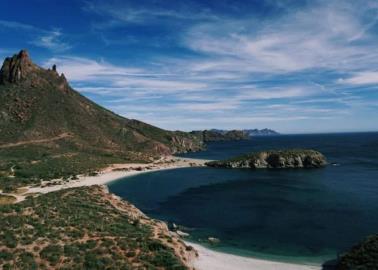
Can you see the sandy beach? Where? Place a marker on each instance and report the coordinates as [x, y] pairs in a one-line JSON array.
[[213, 260], [207, 259], [115, 172]]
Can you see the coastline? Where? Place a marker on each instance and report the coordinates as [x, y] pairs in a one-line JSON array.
[[115, 172], [207, 259]]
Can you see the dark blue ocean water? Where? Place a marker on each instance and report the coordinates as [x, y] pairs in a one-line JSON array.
[[293, 215]]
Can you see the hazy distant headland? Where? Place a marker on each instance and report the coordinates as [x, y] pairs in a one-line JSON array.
[[211, 135]]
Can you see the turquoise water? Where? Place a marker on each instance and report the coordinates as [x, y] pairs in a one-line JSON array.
[[289, 215]]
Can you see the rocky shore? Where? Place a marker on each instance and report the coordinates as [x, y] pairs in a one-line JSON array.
[[275, 159]]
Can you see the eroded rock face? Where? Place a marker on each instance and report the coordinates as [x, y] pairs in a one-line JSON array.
[[184, 144], [275, 160], [17, 68]]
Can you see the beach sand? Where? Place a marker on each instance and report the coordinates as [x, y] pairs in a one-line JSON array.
[[118, 171], [213, 260]]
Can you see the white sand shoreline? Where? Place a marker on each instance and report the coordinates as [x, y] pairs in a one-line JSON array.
[[214, 260], [207, 259], [119, 171]]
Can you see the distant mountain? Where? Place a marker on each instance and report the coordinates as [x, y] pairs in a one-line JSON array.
[[221, 135], [261, 132], [38, 107], [232, 135]]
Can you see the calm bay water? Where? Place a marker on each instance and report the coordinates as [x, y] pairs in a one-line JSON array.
[[293, 215]]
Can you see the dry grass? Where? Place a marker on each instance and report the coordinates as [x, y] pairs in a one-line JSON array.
[[7, 199]]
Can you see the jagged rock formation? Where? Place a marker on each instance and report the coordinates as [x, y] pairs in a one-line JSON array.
[[17, 68], [37, 104], [275, 160]]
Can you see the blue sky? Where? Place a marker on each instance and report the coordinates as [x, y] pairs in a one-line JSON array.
[[294, 66]]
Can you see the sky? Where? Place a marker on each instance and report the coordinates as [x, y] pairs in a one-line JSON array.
[[290, 65]]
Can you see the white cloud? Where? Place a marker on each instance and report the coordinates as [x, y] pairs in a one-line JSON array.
[[131, 13], [84, 69], [51, 40], [246, 71], [276, 93], [292, 43], [368, 77], [18, 25], [162, 85]]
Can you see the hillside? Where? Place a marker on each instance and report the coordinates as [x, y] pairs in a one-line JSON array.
[[363, 256], [42, 119], [86, 228]]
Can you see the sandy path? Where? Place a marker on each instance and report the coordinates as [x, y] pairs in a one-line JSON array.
[[59, 137]]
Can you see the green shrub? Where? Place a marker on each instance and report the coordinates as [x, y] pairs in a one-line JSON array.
[[52, 253]]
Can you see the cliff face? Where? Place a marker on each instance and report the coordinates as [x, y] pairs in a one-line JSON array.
[[275, 160], [17, 68], [38, 105]]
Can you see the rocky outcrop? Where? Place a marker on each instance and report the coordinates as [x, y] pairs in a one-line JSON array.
[[17, 68], [279, 159], [182, 144]]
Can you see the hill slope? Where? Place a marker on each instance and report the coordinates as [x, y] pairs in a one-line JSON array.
[[41, 116], [86, 228], [39, 104]]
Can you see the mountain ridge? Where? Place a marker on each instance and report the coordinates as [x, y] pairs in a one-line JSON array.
[[48, 130], [26, 88]]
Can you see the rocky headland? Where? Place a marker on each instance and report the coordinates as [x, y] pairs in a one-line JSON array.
[[274, 159]]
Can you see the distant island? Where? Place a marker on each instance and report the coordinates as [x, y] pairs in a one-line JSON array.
[[274, 159], [213, 135]]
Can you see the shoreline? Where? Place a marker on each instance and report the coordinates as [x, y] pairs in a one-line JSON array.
[[207, 258], [113, 173]]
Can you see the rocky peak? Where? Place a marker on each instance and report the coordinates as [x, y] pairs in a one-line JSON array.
[[17, 68], [20, 68]]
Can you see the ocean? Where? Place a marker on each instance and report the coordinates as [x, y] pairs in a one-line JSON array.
[[295, 215]]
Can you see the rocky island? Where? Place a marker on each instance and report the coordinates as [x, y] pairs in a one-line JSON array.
[[274, 159]]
